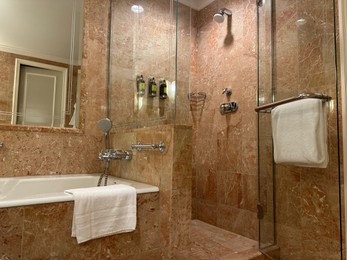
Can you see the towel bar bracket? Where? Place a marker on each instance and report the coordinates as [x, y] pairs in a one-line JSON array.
[[139, 147]]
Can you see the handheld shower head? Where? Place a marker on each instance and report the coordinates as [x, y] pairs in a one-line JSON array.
[[105, 125], [219, 16]]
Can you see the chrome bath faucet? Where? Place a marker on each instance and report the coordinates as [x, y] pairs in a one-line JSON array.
[[111, 154]]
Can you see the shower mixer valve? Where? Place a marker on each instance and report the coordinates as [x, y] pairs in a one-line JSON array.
[[111, 154], [227, 108]]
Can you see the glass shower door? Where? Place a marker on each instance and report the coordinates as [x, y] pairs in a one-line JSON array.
[[266, 206], [299, 207]]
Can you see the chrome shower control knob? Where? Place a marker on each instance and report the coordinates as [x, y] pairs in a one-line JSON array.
[[227, 108]]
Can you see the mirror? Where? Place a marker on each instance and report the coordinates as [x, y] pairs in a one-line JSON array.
[[40, 62]]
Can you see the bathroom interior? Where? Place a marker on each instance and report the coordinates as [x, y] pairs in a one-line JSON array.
[[221, 195]]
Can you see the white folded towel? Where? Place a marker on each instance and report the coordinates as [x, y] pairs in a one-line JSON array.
[[103, 211], [299, 132]]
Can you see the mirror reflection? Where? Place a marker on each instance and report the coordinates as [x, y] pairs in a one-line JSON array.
[[40, 62]]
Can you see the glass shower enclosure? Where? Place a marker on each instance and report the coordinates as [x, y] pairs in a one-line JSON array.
[[299, 207]]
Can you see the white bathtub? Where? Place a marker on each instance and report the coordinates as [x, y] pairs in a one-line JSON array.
[[31, 190]]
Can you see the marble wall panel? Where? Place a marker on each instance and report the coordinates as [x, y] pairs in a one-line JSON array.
[[44, 232], [7, 75], [171, 171], [224, 147], [11, 233], [181, 190]]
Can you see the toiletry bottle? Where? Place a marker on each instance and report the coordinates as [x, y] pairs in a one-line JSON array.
[[140, 85], [162, 89], [152, 87]]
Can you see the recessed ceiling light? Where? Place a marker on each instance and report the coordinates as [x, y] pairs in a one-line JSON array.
[[137, 9], [300, 22]]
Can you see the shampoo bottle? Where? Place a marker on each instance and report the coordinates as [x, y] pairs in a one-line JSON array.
[[140, 85], [152, 87], [162, 89]]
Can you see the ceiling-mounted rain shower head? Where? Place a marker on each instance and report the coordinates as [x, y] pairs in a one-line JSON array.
[[219, 17]]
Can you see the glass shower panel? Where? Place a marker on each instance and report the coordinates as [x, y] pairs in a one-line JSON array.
[[265, 95], [301, 205], [142, 43], [183, 34]]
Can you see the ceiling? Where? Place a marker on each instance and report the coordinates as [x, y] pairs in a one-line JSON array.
[[41, 28], [196, 4]]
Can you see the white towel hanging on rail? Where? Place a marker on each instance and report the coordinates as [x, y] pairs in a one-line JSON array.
[[299, 132]]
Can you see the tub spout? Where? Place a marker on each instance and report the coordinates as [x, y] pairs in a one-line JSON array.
[[112, 154]]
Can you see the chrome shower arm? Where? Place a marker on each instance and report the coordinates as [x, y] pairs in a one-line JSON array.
[[226, 11]]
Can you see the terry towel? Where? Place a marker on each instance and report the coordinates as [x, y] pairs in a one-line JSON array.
[[103, 211], [299, 132]]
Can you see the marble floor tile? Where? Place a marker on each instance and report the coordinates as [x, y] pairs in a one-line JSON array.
[[212, 243]]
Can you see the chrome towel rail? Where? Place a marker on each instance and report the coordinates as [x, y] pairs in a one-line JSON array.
[[139, 146], [267, 107]]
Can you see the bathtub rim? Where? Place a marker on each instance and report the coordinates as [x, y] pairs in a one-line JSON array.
[[56, 197]]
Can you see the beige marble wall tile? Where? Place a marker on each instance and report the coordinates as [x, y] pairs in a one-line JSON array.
[[44, 232], [206, 211], [7, 72], [163, 175], [236, 219], [145, 238], [11, 233], [47, 234], [170, 171], [182, 189]]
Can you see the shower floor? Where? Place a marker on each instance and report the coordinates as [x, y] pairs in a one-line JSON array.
[[209, 242]]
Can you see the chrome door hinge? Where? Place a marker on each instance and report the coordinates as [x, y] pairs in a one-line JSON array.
[[259, 3]]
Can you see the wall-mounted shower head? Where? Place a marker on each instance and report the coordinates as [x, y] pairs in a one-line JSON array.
[[219, 17]]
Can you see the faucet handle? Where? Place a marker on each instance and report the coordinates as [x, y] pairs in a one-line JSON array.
[[103, 155], [227, 91], [100, 155]]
